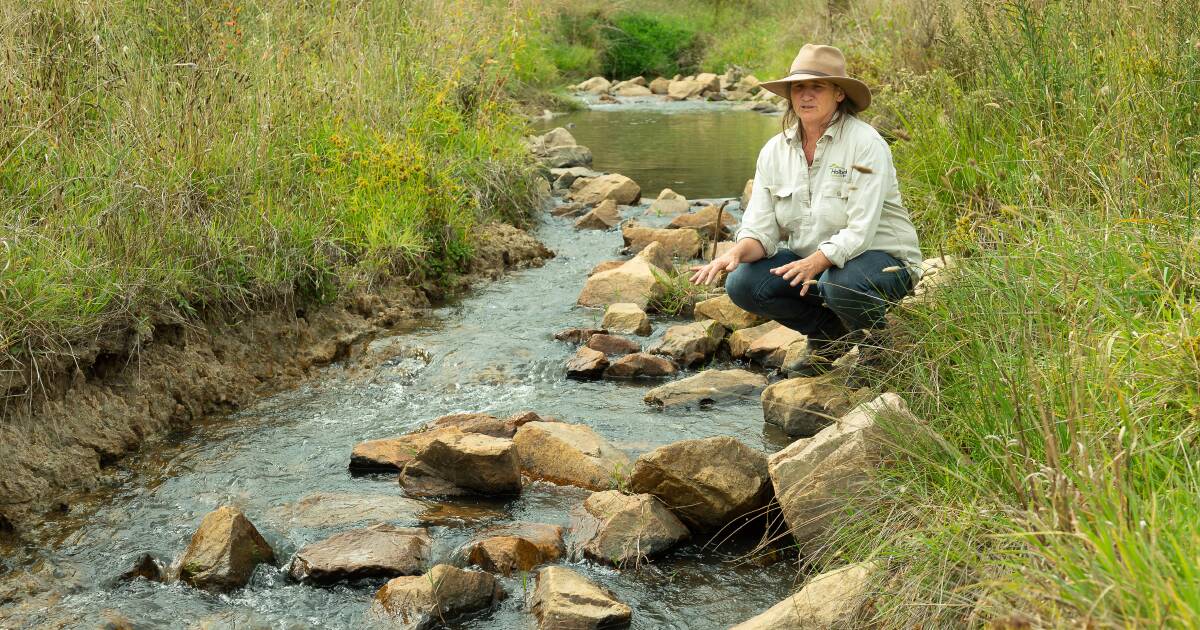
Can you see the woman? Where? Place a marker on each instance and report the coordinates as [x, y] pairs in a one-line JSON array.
[[825, 245]]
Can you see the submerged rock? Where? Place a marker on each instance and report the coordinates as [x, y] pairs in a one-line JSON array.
[[725, 312], [613, 345], [706, 388], [329, 509], [690, 343], [571, 454], [427, 601], [622, 529], [146, 567], [516, 547], [224, 552], [461, 463], [587, 363], [564, 599], [683, 242], [627, 318], [620, 189], [640, 364], [829, 600], [804, 405], [381, 550]]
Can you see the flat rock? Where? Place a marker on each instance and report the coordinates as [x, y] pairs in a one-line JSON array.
[[707, 387], [634, 282], [224, 552], [624, 529], [571, 209], [468, 462], [622, 190], [690, 343], [633, 90], [570, 454], [566, 156], [330, 509], [391, 454], [486, 423], [627, 318], [829, 600], [682, 90], [725, 312], [427, 601], [613, 345], [771, 348], [668, 202], [803, 406], [683, 243], [516, 547], [704, 221], [566, 600], [577, 335], [381, 550], [640, 364], [602, 217], [741, 339], [587, 363]]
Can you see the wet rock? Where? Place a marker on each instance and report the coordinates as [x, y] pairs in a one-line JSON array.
[[602, 217], [381, 550], [517, 547], [704, 221], [570, 210], [566, 157], [485, 423], [627, 318], [447, 514], [146, 567], [571, 454], [660, 85], [741, 340], [224, 551], [390, 454], [594, 85], [625, 529], [771, 348], [577, 335], [681, 90], [706, 388], [640, 364], [684, 243], [427, 601], [707, 483], [327, 509], [725, 312], [634, 282], [690, 343], [587, 363], [613, 345], [564, 599], [459, 463], [605, 266], [668, 202], [829, 600], [620, 189], [804, 405]]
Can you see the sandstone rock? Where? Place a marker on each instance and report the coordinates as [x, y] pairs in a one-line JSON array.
[[737, 95], [658, 255], [725, 312], [566, 600], [935, 272], [634, 282], [602, 217], [571, 454], [612, 345], [516, 547], [690, 343], [804, 405], [628, 318], [660, 85], [594, 85], [707, 483], [625, 529], [712, 250], [668, 202], [224, 551], [704, 220], [565, 177], [640, 364], [390, 454], [706, 388], [681, 90], [425, 601], [710, 81], [634, 90], [748, 83], [485, 423], [620, 189], [829, 600], [569, 210], [605, 266], [771, 348], [741, 340], [381, 550], [566, 157], [577, 335], [467, 461], [684, 243], [329, 509], [714, 96], [553, 139], [146, 567], [587, 363]]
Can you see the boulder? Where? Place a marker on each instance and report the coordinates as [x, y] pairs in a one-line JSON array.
[[573, 209], [690, 343], [392, 454], [748, 83], [613, 345], [633, 90], [620, 189], [707, 483], [485, 423], [660, 85], [741, 339], [935, 272], [737, 95], [602, 217], [565, 177], [427, 601], [625, 529], [571, 454], [566, 157], [830, 600], [710, 82], [224, 551], [553, 139], [684, 243], [682, 89], [804, 405], [771, 348], [516, 547], [333, 509], [594, 85], [669, 202], [704, 221], [634, 282], [706, 388], [381, 550], [722, 310], [468, 462], [566, 600], [587, 363], [605, 266], [628, 318], [577, 335], [640, 364]]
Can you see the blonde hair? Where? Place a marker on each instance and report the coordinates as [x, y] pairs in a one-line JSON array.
[[791, 119]]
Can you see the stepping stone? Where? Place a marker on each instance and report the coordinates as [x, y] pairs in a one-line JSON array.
[[424, 602], [706, 388], [515, 547], [626, 318], [464, 463], [624, 529], [613, 345], [570, 454], [690, 343], [803, 406], [587, 363], [640, 364], [381, 550], [565, 599], [684, 243], [635, 281]]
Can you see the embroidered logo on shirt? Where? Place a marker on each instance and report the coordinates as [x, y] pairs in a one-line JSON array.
[[837, 170]]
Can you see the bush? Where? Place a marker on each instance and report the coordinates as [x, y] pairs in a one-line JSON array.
[[640, 44]]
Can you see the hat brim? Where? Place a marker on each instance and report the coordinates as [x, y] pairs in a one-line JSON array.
[[855, 90]]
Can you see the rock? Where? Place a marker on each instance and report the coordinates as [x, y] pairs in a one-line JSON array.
[[706, 388], [613, 345], [516, 547], [426, 601], [620, 189], [628, 318], [565, 157], [459, 463], [634, 90], [707, 483], [553, 139], [748, 83], [381, 550], [690, 343], [741, 340], [710, 81], [146, 567], [935, 272], [704, 220], [684, 243], [802, 406], [602, 217], [737, 95], [668, 202], [566, 600], [327, 509], [829, 600], [571, 454], [634, 282], [712, 250], [594, 85], [725, 312], [224, 551], [587, 363], [389, 454], [681, 90], [605, 266], [625, 529], [771, 348], [572, 209], [485, 423], [658, 255], [577, 335], [660, 85], [640, 364], [608, 98], [714, 96]]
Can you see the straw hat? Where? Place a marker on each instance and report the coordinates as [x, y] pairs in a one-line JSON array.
[[825, 63]]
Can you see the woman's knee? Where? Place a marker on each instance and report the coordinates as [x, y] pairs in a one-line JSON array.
[[855, 303], [741, 287]]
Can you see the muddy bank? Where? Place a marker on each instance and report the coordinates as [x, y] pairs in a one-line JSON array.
[[114, 395]]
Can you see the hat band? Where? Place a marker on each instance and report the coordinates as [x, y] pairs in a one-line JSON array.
[[817, 73]]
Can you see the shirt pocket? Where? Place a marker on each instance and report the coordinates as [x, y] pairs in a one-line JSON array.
[[835, 199], [791, 211]]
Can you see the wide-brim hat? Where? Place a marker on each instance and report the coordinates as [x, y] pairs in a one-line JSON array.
[[816, 62]]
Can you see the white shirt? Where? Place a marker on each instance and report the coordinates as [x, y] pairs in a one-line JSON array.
[[846, 203]]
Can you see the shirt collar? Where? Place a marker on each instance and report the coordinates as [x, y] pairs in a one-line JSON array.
[[792, 135]]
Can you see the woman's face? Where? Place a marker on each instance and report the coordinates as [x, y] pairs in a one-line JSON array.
[[815, 101]]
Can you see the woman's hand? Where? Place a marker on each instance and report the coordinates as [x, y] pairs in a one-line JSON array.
[[706, 274], [803, 270]]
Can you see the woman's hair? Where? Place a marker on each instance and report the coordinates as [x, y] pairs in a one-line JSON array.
[[791, 119]]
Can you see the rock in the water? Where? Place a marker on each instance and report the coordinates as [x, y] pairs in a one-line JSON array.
[[566, 157], [605, 266], [704, 221], [681, 90], [625, 529], [804, 405], [706, 388], [421, 602], [668, 202], [633, 90], [328, 509], [458, 462], [613, 345], [640, 364], [587, 363], [566, 600], [660, 85], [620, 189], [557, 137], [829, 600], [573, 209], [516, 547], [627, 318], [485, 423], [602, 217], [741, 340], [381, 550], [571, 454], [748, 83], [690, 343], [771, 348], [393, 454], [634, 282], [710, 81], [224, 551], [594, 85], [724, 311], [146, 567], [577, 335], [683, 242], [707, 483]]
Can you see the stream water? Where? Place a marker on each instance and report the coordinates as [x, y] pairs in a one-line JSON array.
[[284, 460]]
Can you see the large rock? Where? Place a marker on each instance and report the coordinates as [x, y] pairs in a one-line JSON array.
[[706, 388], [625, 529], [565, 177], [594, 85], [486, 423], [391, 454], [587, 364], [381, 550], [613, 345], [635, 282], [683, 242], [557, 137], [427, 601], [620, 189], [571, 454], [660, 85], [640, 364], [633, 90], [710, 81], [680, 90], [771, 349], [704, 221], [565, 600], [707, 483], [725, 312], [804, 405], [690, 343], [741, 339], [577, 335], [602, 217], [517, 547], [748, 83], [224, 551], [668, 202], [566, 157], [461, 463], [829, 600], [627, 318]]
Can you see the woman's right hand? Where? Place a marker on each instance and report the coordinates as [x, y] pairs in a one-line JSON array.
[[706, 274]]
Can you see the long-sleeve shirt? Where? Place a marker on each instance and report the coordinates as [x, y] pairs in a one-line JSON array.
[[846, 203]]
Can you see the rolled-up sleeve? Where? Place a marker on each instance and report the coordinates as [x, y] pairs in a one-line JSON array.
[[758, 218], [868, 178]]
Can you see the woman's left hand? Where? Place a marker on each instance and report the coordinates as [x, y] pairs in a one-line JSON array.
[[803, 270]]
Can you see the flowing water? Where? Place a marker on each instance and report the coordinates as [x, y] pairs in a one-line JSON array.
[[283, 461]]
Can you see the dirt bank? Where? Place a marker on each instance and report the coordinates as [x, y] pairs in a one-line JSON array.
[[113, 395]]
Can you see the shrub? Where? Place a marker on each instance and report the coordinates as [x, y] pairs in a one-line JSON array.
[[639, 44]]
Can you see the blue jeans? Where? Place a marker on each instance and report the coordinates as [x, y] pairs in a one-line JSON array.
[[853, 297]]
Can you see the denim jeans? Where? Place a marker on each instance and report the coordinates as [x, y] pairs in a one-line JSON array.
[[853, 297]]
